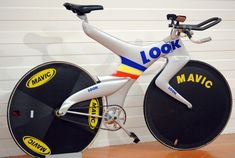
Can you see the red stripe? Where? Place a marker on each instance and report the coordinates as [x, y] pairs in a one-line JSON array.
[[123, 74]]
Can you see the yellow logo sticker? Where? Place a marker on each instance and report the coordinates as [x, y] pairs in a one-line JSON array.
[[194, 78], [94, 109], [41, 78], [36, 145]]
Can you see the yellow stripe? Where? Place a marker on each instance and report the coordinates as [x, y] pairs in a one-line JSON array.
[[130, 70]]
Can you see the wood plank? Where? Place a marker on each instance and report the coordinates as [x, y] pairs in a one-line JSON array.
[[75, 25], [106, 58], [78, 36], [110, 14], [137, 89], [78, 59], [16, 72], [13, 73], [65, 49], [218, 4]]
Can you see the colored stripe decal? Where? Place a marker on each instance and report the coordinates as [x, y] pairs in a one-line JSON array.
[[128, 69], [132, 64], [123, 74]]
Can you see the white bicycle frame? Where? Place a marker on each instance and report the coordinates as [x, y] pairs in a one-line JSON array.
[[134, 61]]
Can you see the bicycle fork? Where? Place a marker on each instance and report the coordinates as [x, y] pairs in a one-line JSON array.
[[175, 62]]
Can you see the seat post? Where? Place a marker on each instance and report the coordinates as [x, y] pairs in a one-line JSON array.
[[83, 17]]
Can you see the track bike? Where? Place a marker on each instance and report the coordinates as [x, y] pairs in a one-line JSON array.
[[58, 107]]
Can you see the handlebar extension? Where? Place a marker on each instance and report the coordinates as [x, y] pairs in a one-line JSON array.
[[199, 27], [185, 28]]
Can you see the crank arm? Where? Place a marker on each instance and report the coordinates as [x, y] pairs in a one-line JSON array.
[[130, 134]]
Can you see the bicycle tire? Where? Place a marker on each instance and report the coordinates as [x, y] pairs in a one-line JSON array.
[[178, 127], [31, 111]]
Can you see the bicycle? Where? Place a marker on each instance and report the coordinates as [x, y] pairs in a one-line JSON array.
[[58, 107]]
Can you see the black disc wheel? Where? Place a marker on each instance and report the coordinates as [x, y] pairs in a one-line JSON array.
[[179, 127], [32, 118]]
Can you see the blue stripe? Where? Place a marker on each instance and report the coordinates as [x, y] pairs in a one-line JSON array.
[[132, 64]]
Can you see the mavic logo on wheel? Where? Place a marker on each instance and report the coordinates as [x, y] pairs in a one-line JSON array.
[[36, 145], [155, 52], [41, 78], [94, 111], [194, 78]]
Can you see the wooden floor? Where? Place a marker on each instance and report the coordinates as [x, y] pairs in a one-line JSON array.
[[222, 147]]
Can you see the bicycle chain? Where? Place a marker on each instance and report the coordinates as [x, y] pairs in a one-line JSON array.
[[86, 125]]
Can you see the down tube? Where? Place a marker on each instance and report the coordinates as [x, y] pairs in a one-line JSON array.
[[119, 96], [113, 87]]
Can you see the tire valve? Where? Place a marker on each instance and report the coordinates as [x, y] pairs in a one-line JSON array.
[[176, 142], [31, 113]]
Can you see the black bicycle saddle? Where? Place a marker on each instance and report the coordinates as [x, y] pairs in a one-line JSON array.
[[82, 9]]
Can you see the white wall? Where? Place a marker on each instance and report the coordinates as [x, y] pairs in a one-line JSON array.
[[36, 31]]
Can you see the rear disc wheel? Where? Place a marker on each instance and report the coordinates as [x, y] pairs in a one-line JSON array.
[[32, 109]]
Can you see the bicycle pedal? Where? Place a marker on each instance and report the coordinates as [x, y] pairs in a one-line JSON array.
[[136, 139]]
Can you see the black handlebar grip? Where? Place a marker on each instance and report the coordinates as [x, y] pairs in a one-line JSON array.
[[201, 26], [208, 23]]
